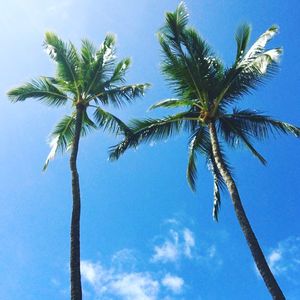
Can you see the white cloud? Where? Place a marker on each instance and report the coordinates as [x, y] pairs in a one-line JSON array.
[[169, 251], [124, 259], [110, 282], [274, 258], [284, 259], [136, 286], [173, 283], [189, 242], [212, 251], [179, 244]]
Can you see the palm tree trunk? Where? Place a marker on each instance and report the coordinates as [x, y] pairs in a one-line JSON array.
[[253, 244], [76, 292]]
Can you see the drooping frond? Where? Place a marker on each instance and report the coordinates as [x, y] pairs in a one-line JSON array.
[[41, 89], [109, 122], [67, 59], [235, 135], [61, 138], [120, 96], [242, 37], [149, 130], [87, 124], [199, 141], [259, 125], [219, 183], [63, 134]]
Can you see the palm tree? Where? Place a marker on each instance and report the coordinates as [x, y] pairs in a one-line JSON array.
[[88, 81], [208, 91]]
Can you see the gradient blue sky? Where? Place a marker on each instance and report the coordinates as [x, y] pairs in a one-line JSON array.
[[145, 235]]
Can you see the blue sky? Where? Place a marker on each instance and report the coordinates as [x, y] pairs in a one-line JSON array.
[[145, 235]]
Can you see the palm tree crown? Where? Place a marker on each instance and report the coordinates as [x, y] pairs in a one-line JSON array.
[[209, 90], [91, 79]]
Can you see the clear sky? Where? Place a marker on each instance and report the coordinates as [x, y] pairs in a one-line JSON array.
[[145, 235]]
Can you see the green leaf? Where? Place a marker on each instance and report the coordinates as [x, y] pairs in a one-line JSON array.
[[61, 137], [149, 130], [109, 122], [259, 125], [119, 96], [174, 103], [250, 71], [67, 59], [242, 38], [234, 134], [199, 142], [101, 67], [42, 89], [120, 71]]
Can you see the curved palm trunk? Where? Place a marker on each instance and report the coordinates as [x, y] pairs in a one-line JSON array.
[[253, 244], [76, 292]]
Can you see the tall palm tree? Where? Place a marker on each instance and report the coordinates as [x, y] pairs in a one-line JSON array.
[[208, 91], [88, 80]]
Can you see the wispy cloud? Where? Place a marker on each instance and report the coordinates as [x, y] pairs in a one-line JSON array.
[[284, 259], [173, 283], [169, 251], [189, 242], [135, 286], [126, 277], [177, 245], [107, 282]]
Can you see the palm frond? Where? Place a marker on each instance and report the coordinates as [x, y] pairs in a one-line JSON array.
[[109, 122], [259, 125], [181, 78], [242, 38], [67, 59], [174, 103], [120, 96], [61, 138], [176, 22], [87, 124], [217, 194], [102, 66], [219, 183], [235, 134], [120, 71], [259, 46], [189, 64], [42, 89], [252, 69], [149, 130], [199, 141], [88, 55]]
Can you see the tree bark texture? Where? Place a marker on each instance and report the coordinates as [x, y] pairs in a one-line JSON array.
[[76, 290], [252, 242]]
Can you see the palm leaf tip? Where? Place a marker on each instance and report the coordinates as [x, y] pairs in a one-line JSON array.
[[242, 38], [43, 89], [176, 21]]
